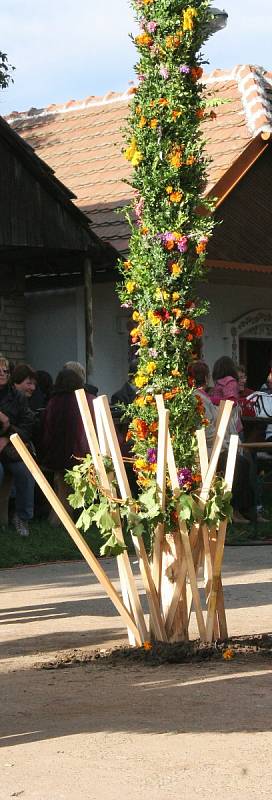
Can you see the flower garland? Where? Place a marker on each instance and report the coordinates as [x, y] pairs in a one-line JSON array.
[[169, 236]]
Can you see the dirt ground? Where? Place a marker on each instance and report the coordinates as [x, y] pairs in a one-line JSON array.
[[96, 731]]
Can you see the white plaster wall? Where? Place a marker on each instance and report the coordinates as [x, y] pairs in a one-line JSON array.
[[110, 340], [55, 328], [227, 302]]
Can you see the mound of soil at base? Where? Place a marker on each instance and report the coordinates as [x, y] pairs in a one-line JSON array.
[[158, 653]]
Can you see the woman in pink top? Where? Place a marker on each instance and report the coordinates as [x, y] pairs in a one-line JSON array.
[[226, 387]]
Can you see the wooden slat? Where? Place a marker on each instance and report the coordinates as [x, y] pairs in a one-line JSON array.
[[161, 481], [75, 535], [215, 584], [127, 580], [152, 597]]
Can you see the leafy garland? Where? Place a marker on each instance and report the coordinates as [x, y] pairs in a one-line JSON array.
[[141, 516], [169, 235]]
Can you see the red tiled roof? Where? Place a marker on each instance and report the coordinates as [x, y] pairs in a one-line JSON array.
[[82, 141]]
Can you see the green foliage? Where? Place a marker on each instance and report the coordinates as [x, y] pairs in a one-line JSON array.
[[6, 71], [169, 235]]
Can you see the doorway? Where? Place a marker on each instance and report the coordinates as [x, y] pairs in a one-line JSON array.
[[256, 355]]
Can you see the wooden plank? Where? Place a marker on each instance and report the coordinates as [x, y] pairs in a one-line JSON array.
[[152, 596], [80, 542], [127, 580], [215, 584], [161, 482], [203, 452], [222, 422]]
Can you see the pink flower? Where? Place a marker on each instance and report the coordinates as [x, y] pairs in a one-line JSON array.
[[151, 26], [152, 352], [164, 72], [183, 244], [141, 77], [127, 305]]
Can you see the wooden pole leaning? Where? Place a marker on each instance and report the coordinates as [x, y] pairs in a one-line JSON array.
[[219, 550], [161, 482], [84, 548], [127, 580], [125, 491], [224, 415]]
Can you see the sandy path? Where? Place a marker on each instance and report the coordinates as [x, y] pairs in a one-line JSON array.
[[92, 732]]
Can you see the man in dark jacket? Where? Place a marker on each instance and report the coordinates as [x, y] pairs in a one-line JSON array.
[[15, 417]]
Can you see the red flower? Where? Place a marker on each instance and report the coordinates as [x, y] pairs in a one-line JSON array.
[[162, 314]]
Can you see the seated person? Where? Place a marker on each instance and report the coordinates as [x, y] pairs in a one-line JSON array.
[[15, 417], [24, 379], [225, 378], [80, 370]]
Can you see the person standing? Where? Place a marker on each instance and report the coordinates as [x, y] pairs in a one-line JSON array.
[[15, 417]]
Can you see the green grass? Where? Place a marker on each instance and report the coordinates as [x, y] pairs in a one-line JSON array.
[[44, 543]]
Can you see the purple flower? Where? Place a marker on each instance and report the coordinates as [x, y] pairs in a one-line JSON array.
[[183, 244], [152, 455], [164, 72], [184, 69], [151, 26], [185, 478]]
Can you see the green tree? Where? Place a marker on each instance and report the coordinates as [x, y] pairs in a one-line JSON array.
[[6, 71]]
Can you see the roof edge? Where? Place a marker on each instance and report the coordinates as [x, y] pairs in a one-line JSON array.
[[240, 167]]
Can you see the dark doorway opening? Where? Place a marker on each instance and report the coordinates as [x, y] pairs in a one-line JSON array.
[[256, 355]]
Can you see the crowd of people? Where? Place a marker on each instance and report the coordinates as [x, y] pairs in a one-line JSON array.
[[47, 418]]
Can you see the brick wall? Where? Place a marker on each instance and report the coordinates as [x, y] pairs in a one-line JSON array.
[[12, 326]]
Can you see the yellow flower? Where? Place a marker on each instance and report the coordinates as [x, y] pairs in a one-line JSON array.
[[143, 341], [136, 316], [169, 189], [130, 286], [176, 161], [142, 122], [176, 269], [154, 123], [140, 381], [136, 158], [129, 152], [175, 295], [144, 40], [175, 373], [153, 319], [161, 294], [151, 367], [140, 463], [135, 332], [189, 17], [127, 264], [140, 401]]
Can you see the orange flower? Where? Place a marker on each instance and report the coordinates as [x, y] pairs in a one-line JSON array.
[[190, 161], [175, 373], [127, 264], [143, 341], [147, 646], [201, 247], [153, 427], [163, 101], [196, 73], [228, 654], [186, 323], [144, 231], [154, 123], [189, 337], [176, 114], [144, 40], [175, 197], [200, 113], [176, 161]]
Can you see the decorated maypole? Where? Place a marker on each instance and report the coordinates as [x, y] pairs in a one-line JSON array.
[[169, 231]]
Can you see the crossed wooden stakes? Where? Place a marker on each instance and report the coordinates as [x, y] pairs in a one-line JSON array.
[[170, 579]]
